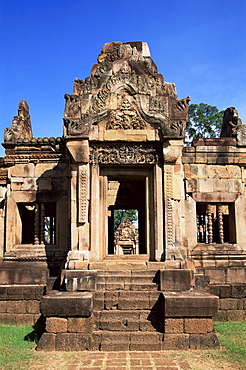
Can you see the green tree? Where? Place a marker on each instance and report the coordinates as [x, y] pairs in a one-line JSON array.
[[204, 121], [121, 214]]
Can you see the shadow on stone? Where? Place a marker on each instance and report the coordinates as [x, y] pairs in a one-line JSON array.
[[156, 279], [156, 316], [38, 330]]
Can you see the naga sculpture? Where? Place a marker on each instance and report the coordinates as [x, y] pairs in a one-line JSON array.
[[21, 125]]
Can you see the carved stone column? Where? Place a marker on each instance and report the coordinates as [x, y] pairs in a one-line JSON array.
[[42, 216], [210, 223], [36, 225], [173, 192], [79, 150], [220, 223]]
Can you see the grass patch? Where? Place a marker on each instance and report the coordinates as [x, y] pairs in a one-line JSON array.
[[15, 347], [233, 338]]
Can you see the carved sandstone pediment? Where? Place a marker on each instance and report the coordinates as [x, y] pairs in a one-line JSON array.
[[124, 92]]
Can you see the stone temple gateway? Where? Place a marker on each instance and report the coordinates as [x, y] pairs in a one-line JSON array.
[[153, 283]]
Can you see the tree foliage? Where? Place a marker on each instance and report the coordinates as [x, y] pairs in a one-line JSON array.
[[121, 214], [204, 121]]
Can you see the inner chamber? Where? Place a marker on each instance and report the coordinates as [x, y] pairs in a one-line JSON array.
[[126, 216]]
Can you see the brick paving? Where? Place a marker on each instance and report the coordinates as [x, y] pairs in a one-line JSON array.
[[144, 360]]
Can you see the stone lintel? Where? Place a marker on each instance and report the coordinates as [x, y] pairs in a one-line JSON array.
[[129, 135], [222, 141], [79, 150], [190, 304], [175, 279], [218, 197], [66, 304]]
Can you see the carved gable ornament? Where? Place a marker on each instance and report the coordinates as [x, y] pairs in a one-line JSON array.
[[124, 93]]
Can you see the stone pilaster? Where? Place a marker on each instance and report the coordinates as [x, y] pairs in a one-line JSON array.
[[173, 193]]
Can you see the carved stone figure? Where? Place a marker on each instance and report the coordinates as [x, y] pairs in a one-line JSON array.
[[125, 118], [21, 124], [126, 238], [231, 121]]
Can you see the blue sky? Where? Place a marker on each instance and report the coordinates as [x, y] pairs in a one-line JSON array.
[[200, 45]]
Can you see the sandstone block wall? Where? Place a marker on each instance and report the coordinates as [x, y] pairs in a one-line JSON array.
[[20, 305]]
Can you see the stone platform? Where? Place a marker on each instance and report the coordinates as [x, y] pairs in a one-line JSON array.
[[128, 311]]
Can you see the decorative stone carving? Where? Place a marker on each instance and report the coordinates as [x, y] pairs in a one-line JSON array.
[[83, 193], [169, 223], [179, 108], [72, 106], [126, 238], [82, 126], [125, 118], [126, 73], [231, 122], [21, 125], [118, 153]]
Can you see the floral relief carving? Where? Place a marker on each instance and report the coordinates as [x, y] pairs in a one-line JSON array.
[[118, 153]]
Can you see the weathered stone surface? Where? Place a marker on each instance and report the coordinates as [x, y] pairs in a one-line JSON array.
[[56, 325], [83, 342], [190, 304], [3, 306], [66, 342], [202, 341], [133, 300], [79, 150], [175, 280], [25, 319], [218, 197], [238, 291], [228, 304], [236, 275], [80, 280], [118, 341], [33, 307], [65, 304], [98, 301], [197, 325], [23, 276], [174, 326], [111, 300], [236, 315], [225, 141], [217, 275], [47, 342], [8, 318], [175, 341], [16, 307], [82, 324], [140, 341]]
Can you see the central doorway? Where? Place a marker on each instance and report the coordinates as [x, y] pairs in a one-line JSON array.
[[128, 199], [126, 216]]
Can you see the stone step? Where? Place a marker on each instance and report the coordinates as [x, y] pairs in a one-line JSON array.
[[103, 340], [131, 320], [126, 286], [128, 300], [123, 264], [136, 280]]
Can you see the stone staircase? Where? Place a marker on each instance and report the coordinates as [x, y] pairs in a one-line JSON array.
[[112, 310], [133, 280]]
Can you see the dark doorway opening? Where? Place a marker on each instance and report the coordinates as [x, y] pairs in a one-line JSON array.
[[126, 201]]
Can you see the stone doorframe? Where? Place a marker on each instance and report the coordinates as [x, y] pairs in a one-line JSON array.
[[153, 177]]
